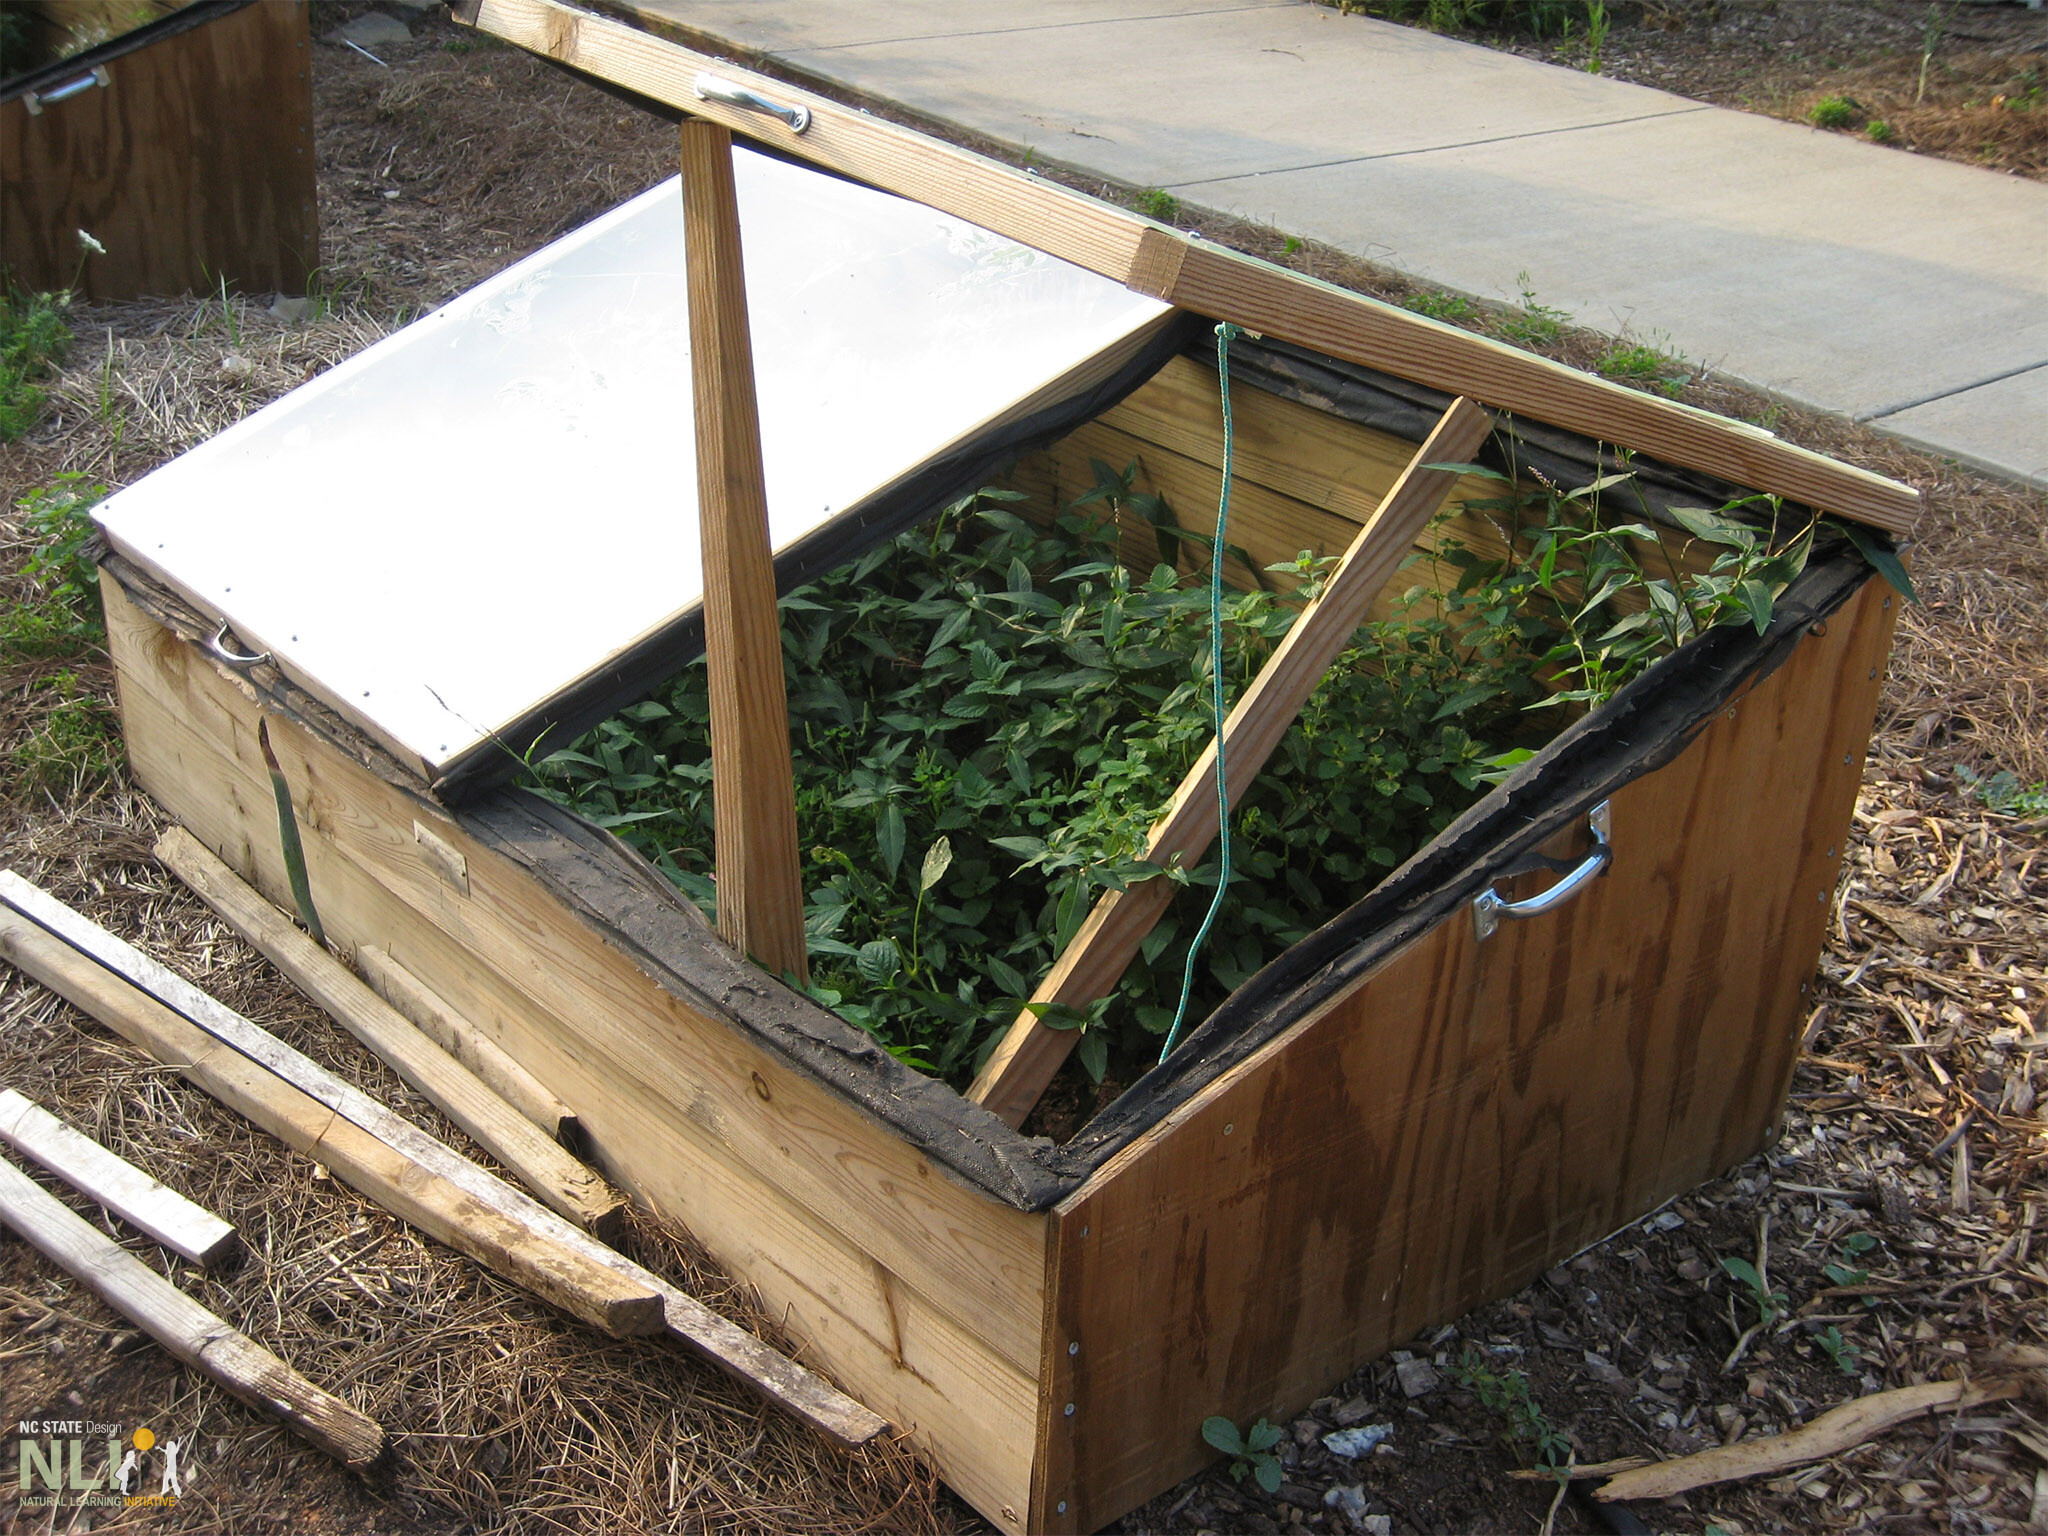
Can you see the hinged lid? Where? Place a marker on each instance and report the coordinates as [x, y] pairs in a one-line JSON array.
[[452, 533]]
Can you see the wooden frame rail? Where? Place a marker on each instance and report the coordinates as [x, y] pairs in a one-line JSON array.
[[1193, 273], [1026, 1058]]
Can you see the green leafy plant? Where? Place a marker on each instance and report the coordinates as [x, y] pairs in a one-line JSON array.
[[2006, 793], [1598, 24], [989, 713], [74, 743], [1847, 1357], [1769, 1304], [63, 616], [1437, 305], [1159, 204], [1250, 1452], [1834, 112], [1525, 1427], [1646, 367], [34, 338], [1534, 324], [1879, 131]]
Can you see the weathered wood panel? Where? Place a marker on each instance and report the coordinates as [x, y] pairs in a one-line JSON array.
[[923, 1297], [192, 165], [1469, 1113]]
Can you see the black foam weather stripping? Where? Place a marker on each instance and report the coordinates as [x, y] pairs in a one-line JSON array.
[[912, 499]]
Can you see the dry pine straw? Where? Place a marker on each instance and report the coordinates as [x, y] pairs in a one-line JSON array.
[[508, 1417]]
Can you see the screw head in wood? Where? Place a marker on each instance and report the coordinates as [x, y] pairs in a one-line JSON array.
[[1074, 1348], [1070, 1410]]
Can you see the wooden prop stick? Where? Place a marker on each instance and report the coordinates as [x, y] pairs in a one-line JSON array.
[[190, 1332], [189, 1230], [340, 1111], [542, 1165], [1027, 1057], [469, 1045], [484, 1218], [753, 792]]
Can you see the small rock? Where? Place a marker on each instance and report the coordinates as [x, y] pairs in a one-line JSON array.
[[494, 1458], [1353, 1443], [75, 1398], [1306, 1432], [371, 29], [1693, 1269], [1418, 1378], [1356, 1411], [1377, 1525], [1758, 1388], [1603, 1370], [1665, 1221], [290, 311], [1348, 1500], [236, 366], [57, 1348]]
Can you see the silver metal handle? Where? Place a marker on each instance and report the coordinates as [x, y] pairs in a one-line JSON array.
[[1488, 907], [715, 88], [216, 645], [35, 101]]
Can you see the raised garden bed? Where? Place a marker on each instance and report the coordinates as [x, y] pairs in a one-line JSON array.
[[1389, 1121]]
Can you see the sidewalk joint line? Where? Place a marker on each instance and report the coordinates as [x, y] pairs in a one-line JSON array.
[[1437, 149], [1046, 26], [1943, 394]]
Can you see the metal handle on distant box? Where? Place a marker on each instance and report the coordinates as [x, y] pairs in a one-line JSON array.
[[714, 88], [1488, 907], [35, 101]]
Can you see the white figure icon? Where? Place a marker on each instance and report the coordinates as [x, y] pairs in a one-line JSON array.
[[127, 1469], [170, 1483]]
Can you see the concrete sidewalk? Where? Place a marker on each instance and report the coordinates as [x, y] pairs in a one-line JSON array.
[[1894, 288]]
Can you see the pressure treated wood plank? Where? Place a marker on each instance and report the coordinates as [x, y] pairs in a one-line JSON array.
[[559, 1180], [151, 1207], [184, 1328], [1024, 1062], [1469, 1112], [486, 1223], [703, 1136], [753, 786], [468, 1045], [1198, 275]]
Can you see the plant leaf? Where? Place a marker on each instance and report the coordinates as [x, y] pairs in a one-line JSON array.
[[879, 961], [1267, 1470], [889, 836], [937, 859], [1222, 1434], [1877, 549]]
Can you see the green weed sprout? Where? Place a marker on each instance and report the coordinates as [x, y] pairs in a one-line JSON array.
[[1250, 1452]]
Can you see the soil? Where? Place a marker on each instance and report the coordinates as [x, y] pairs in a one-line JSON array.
[[1916, 1114], [1982, 98]]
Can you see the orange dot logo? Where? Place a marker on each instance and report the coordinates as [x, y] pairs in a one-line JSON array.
[[145, 1438]]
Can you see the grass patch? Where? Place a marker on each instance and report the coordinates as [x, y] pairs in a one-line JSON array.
[[1451, 308], [1533, 324], [1155, 203], [1646, 368], [61, 616], [74, 745], [1834, 112]]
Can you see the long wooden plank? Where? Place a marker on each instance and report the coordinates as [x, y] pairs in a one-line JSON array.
[[553, 1242], [753, 785], [468, 1045], [1024, 1062], [563, 1183], [1198, 275], [185, 1328], [482, 1221], [189, 1230], [1469, 1113]]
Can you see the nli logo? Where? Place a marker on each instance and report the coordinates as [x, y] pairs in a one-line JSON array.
[[52, 1456]]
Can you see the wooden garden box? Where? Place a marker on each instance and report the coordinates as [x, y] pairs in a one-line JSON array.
[[1394, 1122]]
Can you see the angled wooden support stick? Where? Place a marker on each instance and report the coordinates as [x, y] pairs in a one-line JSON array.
[[1027, 1057], [185, 1328], [753, 793]]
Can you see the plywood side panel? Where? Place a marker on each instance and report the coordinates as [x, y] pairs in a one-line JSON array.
[[1469, 1113], [192, 165], [882, 1314]]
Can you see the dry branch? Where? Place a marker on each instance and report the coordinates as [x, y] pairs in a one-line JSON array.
[[1837, 1430], [190, 1332], [561, 1182], [186, 1229]]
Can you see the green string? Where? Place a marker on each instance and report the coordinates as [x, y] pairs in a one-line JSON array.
[[1224, 333]]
